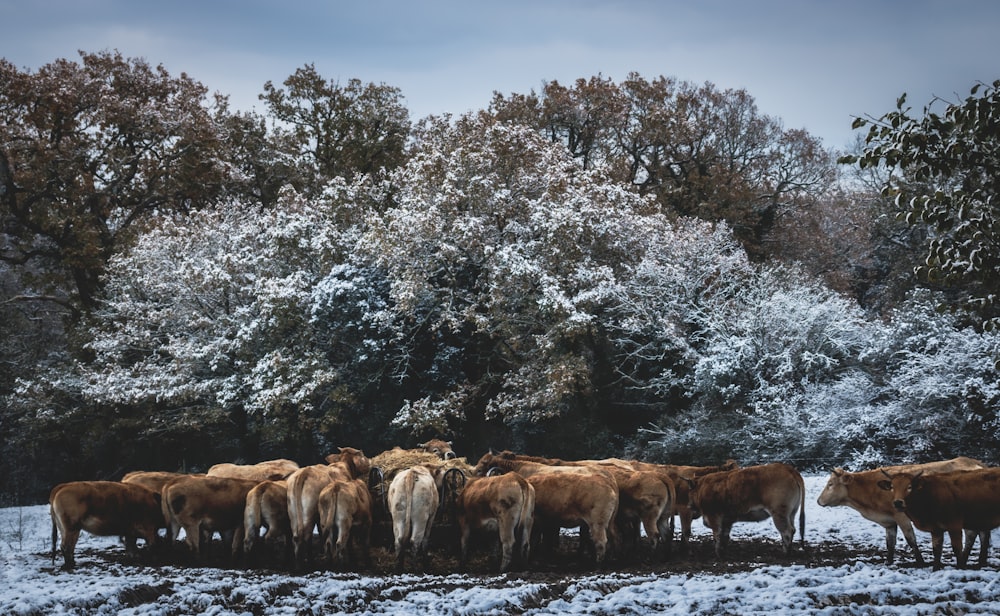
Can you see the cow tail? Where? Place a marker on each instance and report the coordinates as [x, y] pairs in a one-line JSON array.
[[55, 534], [293, 497], [411, 479], [331, 534], [802, 512], [527, 511]]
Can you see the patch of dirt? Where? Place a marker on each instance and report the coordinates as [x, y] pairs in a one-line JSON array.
[[567, 562]]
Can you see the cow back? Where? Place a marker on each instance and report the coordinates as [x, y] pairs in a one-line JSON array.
[[269, 470]]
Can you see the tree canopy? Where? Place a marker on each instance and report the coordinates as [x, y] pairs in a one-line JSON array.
[[89, 152], [947, 183]]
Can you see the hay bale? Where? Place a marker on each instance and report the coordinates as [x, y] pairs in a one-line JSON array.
[[397, 459]]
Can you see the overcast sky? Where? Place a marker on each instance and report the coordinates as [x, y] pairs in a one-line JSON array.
[[815, 64]]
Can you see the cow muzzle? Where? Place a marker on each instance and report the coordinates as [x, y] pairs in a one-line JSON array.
[[899, 505]]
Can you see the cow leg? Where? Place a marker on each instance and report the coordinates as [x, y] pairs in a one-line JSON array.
[[721, 532], [524, 539], [984, 547], [298, 550], [68, 546], [507, 533], [402, 544], [784, 521], [961, 551], [937, 546], [890, 543], [970, 540], [686, 518], [341, 554], [911, 537], [665, 528], [599, 537], [237, 543], [364, 536], [192, 537], [652, 528], [463, 550]]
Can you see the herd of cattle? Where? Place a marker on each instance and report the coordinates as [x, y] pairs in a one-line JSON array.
[[522, 501]]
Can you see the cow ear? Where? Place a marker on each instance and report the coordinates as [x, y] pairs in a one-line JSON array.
[[422, 445], [885, 485], [450, 443]]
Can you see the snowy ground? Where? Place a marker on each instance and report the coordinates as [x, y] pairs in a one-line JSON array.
[[858, 583]]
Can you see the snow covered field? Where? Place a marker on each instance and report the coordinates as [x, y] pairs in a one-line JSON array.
[[30, 585]]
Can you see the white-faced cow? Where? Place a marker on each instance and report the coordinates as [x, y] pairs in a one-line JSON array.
[[438, 447], [504, 504], [345, 517], [413, 502], [269, 470], [860, 491], [566, 497], [204, 505], [750, 494], [104, 508], [267, 507], [304, 487], [950, 502]]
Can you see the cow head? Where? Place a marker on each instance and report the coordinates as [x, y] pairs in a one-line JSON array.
[[901, 486], [835, 491], [485, 463], [355, 461], [438, 447]]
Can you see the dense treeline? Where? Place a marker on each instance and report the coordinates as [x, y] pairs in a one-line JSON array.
[[646, 267]]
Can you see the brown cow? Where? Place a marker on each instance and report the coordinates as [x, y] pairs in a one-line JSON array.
[[750, 494], [504, 504], [345, 513], [567, 497], [681, 501], [304, 487], [644, 496], [438, 447], [104, 508], [950, 502], [413, 502], [269, 470], [267, 507], [861, 492], [209, 504]]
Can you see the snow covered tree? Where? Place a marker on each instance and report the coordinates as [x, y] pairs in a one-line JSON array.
[[501, 250], [250, 318], [939, 393], [765, 347]]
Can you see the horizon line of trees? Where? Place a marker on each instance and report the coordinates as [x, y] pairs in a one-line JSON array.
[[649, 268]]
